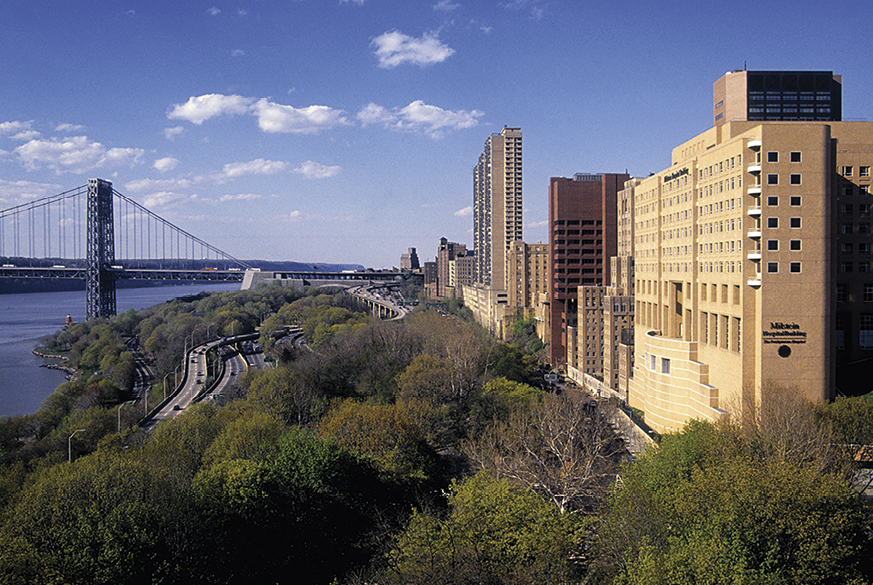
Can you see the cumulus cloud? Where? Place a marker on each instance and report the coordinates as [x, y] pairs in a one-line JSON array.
[[394, 48], [26, 135], [165, 199], [15, 192], [165, 164], [241, 197], [467, 211], [171, 133], [75, 154], [214, 11], [159, 184], [420, 117], [446, 6], [314, 170], [273, 117], [237, 53], [198, 109], [15, 127], [69, 128], [258, 166]]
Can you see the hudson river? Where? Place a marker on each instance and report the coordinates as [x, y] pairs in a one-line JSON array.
[[26, 318]]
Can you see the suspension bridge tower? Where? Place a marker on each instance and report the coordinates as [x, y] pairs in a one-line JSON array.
[[100, 255]]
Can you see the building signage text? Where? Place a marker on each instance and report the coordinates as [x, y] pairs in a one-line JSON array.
[[784, 333]]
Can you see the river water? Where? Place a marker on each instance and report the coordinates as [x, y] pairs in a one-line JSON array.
[[26, 318]]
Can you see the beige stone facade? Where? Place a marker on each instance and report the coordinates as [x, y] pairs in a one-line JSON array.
[[527, 267], [737, 253]]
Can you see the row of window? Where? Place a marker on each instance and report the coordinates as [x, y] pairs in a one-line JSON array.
[[773, 156], [793, 179], [848, 171], [842, 296], [793, 267]]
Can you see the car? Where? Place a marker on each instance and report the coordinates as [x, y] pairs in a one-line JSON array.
[[177, 407]]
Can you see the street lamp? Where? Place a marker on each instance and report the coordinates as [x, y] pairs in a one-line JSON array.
[[70, 445], [119, 413]]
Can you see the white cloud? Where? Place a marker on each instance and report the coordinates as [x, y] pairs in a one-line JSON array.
[[69, 128], [165, 164], [15, 192], [75, 154], [273, 117], [26, 135], [314, 170], [446, 6], [163, 184], [467, 211], [258, 166], [214, 11], [538, 224], [419, 116], [15, 127], [201, 108], [242, 12], [165, 199], [394, 48], [358, 2], [237, 53], [241, 197], [171, 133]]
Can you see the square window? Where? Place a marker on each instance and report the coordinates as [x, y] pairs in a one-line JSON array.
[[794, 267], [863, 267], [794, 179], [863, 171], [665, 366], [773, 222], [845, 267], [848, 191], [864, 228], [772, 157], [795, 222], [794, 245], [772, 267], [846, 228], [864, 209], [773, 245], [865, 189], [795, 200], [847, 248], [772, 179], [864, 248], [847, 171], [846, 208], [772, 201], [841, 293], [795, 157], [868, 293]]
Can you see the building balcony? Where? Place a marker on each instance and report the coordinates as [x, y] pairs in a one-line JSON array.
[[755, 255], [754, 144], [754, 281], [754, 168], [754, 211], [755, 190], [754, 233]]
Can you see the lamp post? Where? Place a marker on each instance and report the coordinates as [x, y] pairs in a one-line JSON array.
[[119, 413], [70, 445]]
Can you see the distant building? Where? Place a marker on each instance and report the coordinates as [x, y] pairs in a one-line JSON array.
[[582, 238], [527, 267], [740, 96], [409, 261], [497, 205], [462, 271], [446, 253]]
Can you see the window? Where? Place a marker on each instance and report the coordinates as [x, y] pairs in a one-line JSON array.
[[841, 293], [665, 366], [772, 201], [847, 248], [846, 209], [794, 245], [863, 267], [864, 248], [848, 191], [864, 209], [795, 222], [840, 326], [863, 171], [794, 267], [773, 245], [772, 267], [868, 293], [795, 201], [866, 340], [794, 179], [772, 157], [845, 267], [864, 227], [865, 189], [847, 171], [795, 157], [653, 362], [773, 179], [846, 228], [773, 222]]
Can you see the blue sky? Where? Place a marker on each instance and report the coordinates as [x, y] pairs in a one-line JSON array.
[[347, 131]]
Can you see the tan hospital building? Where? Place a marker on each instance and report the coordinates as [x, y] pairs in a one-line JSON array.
[[752, 255]]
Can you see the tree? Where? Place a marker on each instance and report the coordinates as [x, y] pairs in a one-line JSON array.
[[564, 447], [492, 533], [714, 511]]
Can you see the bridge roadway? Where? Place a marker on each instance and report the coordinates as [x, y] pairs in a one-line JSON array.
[[58, 271]]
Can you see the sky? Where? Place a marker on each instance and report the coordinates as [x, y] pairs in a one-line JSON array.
[[346, 131]]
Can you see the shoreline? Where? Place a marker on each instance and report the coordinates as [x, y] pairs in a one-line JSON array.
[[71, 374]]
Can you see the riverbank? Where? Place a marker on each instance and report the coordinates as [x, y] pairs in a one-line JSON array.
[[71, 373]]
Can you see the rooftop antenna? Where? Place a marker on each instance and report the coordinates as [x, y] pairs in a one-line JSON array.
[[744, 66]]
